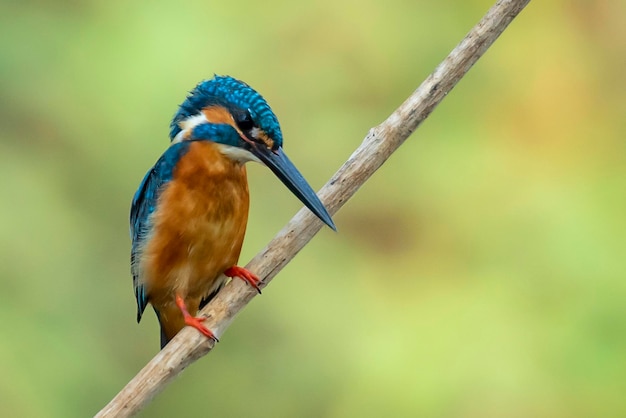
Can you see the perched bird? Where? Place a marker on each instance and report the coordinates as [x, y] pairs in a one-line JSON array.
[[188, 217]]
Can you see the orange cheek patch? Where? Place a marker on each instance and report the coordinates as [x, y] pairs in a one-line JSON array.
[[269, 142], [218, 115]]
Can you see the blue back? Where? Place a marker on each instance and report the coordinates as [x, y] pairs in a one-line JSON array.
[[144, 204], [234, 95]]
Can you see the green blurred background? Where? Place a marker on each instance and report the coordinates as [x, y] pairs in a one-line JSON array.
[[480, 273]]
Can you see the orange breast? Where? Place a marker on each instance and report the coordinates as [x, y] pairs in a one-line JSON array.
[[199, 228]]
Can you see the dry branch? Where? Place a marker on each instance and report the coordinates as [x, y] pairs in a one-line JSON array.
[[380, 143]]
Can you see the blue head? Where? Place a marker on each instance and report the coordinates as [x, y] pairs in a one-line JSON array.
[[248, 108], [229, 112]]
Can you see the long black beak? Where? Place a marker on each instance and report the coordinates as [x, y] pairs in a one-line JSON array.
[[284, 169]]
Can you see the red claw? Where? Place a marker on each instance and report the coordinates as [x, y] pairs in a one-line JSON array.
[[245, 275], [193, 321]]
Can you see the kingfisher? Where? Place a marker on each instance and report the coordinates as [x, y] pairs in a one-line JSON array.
[[188, 217]]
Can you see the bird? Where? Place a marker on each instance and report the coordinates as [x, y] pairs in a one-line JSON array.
[[189, 215]]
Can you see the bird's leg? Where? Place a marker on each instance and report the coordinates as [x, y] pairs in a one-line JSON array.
[[245, 275], [193, 321]]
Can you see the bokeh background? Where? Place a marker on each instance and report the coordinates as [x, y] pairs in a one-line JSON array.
[[480, 273]]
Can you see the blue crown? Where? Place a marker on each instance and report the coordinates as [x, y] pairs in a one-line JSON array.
[[237, 97]]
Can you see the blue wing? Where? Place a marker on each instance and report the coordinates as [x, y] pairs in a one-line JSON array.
[[144, 204]]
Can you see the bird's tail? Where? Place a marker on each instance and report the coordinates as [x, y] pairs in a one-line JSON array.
[[171, 321], [164, 339]]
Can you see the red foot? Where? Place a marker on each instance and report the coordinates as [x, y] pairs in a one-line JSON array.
[[245, 275], [192, 321]]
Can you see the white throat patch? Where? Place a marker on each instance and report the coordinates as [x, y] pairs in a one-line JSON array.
[[237, 154]]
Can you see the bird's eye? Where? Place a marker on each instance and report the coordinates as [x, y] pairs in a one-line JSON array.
[[244, 121]]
